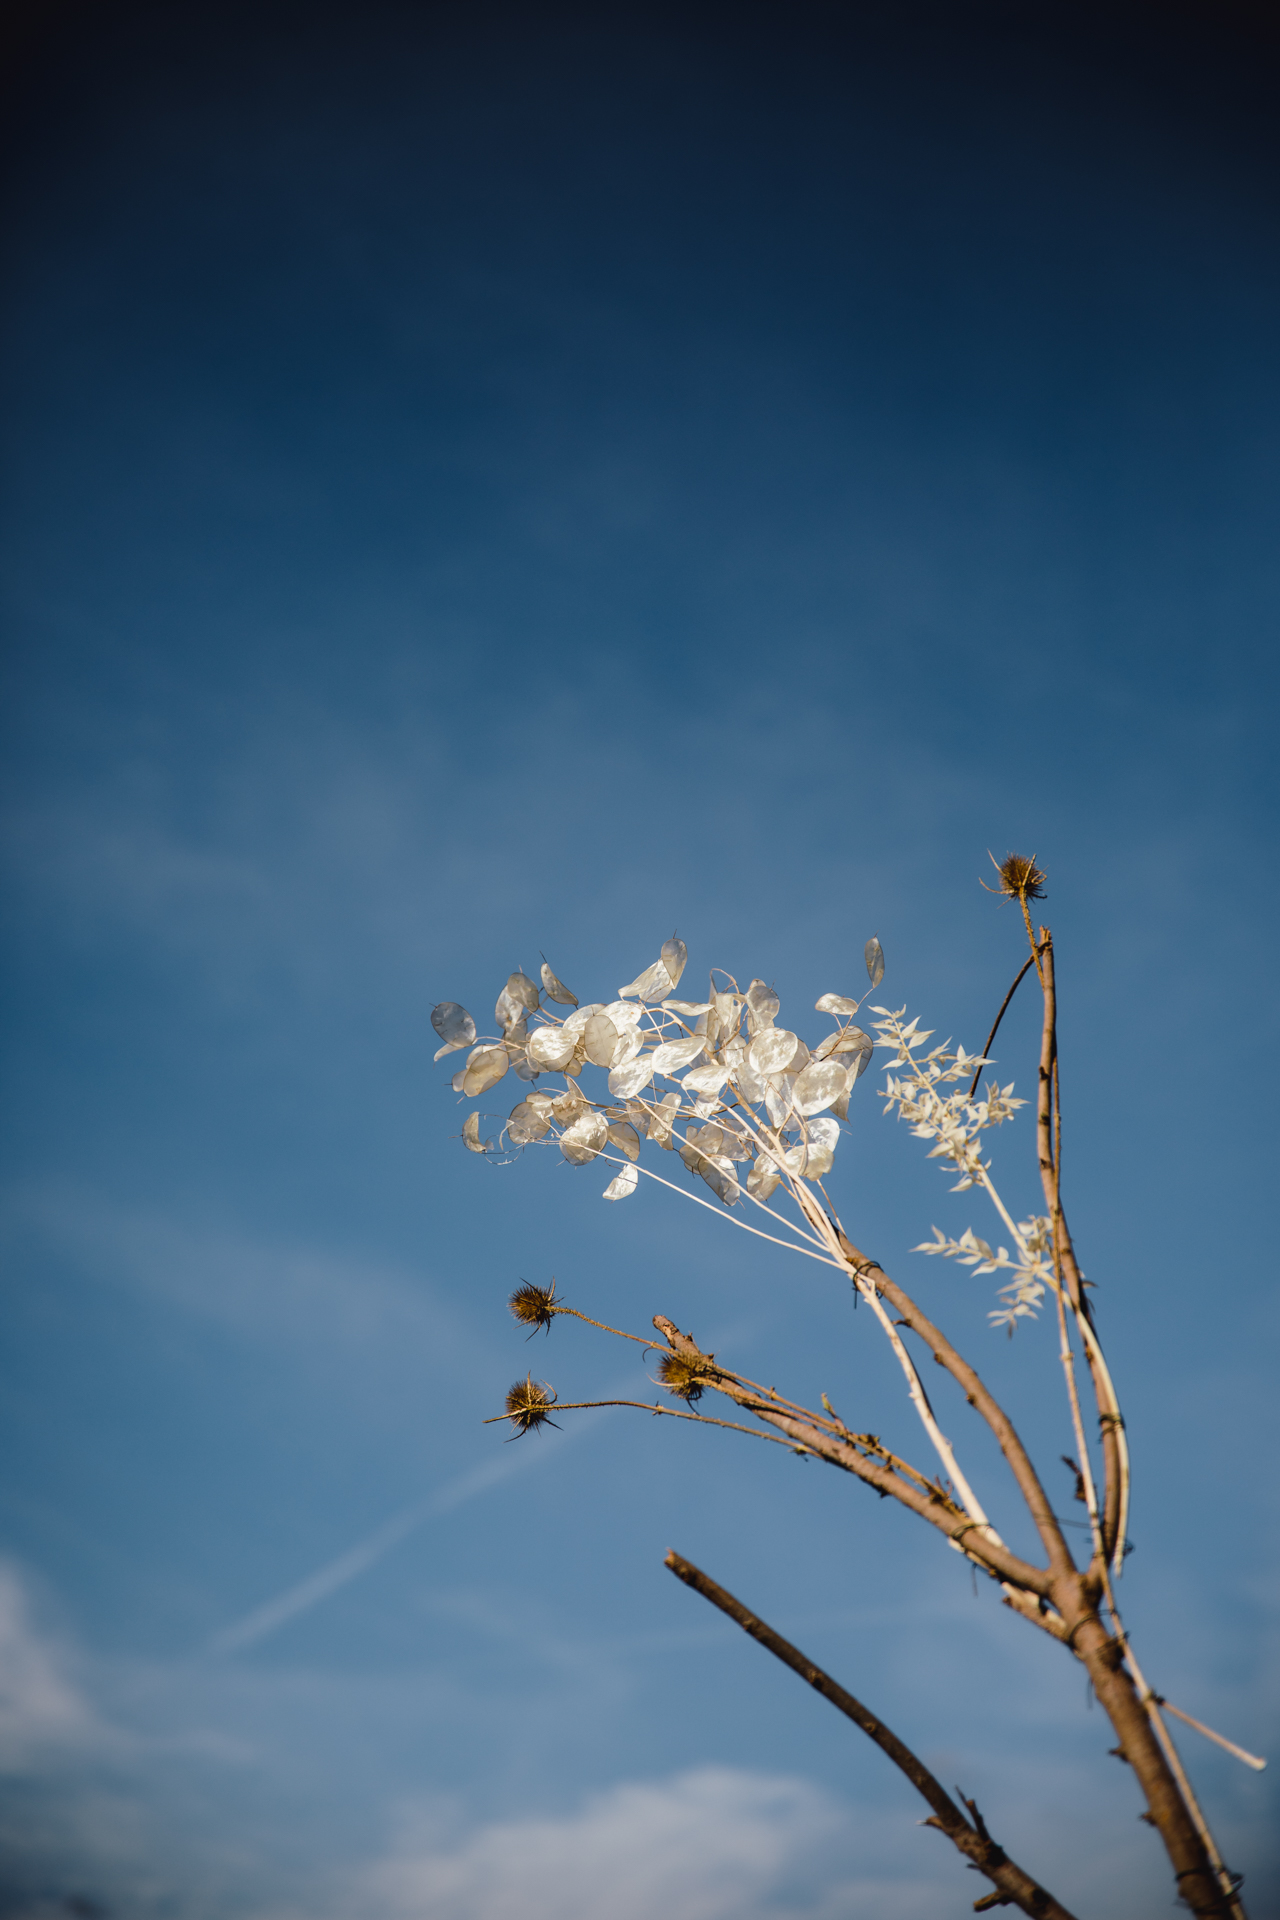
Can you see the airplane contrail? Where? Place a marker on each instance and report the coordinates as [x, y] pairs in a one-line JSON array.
[[325, 1580]]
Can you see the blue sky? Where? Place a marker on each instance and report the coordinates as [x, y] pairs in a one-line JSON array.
[[493, 482]]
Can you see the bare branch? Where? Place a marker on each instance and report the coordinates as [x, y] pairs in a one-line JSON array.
[[924, 1498], [1015, 1887], [979, 1397]]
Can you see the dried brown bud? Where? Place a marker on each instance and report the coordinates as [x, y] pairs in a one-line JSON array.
[[1020, 879], [529, 1403], [534, 1306], [685, 1373]]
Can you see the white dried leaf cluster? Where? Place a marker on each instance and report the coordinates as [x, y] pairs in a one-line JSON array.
[[745, 1103], [953, 1122], [1032, 1267]]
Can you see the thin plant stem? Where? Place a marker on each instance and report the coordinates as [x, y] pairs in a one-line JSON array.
[[669, 1413], [1241, 1753], [915, 1386], [1025, 969]]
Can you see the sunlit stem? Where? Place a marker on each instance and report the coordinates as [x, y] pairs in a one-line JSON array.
[[698, 1201], [915, 1386]]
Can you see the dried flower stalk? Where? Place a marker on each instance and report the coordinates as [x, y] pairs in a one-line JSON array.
[[760, 1113]]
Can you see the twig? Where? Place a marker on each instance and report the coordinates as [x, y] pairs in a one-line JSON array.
[[1241, 1753], [1015, 1887], [1026, 968]]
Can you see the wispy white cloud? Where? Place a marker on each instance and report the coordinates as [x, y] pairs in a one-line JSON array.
[[715, 1843], [43, 1713]]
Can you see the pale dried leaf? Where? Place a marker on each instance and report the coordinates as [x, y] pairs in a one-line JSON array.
[[622, 1184], [527, 1123], [471, 1135], [623, 1013], [556, 989], [601, 1041], [663, 1119], [655, 983], [568, 1105], [750, 1085], [458, 1078], [821, 1082], [706, 1080], [523, 991], [551, 1048], [865, 1049], [763, 1178], [583, 1138], [454, 1025], [736, 1146], [720, 1176], [763, 1003], [778, 1092], [627, 1081], [675, 957], [484, 1070], [875, 961], [625, 1138], [836, 1003], [630, 1043], [521, 1067], [688, 1007], [673, 1054], [772, 1050]]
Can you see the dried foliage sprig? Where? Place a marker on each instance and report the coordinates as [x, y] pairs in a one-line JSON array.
[[754, 1112]]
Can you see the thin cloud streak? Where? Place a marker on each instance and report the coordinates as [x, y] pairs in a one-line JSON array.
[[306, 1594]]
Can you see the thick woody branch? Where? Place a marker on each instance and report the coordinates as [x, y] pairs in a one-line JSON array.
[[1013, 1886], [979, 1397], [921, 1497]]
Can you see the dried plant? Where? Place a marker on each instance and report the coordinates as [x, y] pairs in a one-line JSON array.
[[754, 1113]]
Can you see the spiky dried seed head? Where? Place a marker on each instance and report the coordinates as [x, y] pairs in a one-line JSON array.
[[1020, 879], [529, 1404], [684, 1374], [534, 1306]]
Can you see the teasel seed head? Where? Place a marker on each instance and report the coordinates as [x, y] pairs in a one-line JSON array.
[[534, 1306], [529, 1404], [685, 1374], [1020, 878]]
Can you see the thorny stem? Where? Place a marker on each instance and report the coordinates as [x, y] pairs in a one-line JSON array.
[[574, 1314], [669, 1413], [971, 1838]]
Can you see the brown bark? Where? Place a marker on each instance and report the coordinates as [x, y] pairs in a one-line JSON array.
[[978, 1396], [1074, 1595], [930, 1504], [1014, 1886]]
